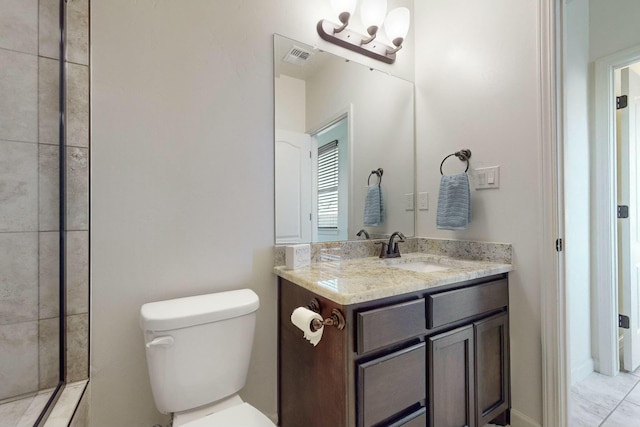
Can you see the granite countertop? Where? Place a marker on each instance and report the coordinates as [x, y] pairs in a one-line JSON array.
[[365, 279]]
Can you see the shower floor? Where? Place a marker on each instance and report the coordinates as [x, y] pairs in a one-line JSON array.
[[24, 412]]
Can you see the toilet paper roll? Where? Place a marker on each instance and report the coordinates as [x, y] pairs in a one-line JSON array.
[[302, 317]]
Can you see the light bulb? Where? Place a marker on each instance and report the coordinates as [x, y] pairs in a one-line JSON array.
[[372, 13], [396, 26]]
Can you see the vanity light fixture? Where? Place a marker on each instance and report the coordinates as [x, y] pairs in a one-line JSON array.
[[344, 9], [372, 14]]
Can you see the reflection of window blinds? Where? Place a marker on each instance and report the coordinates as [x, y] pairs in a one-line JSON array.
[[328, 185]]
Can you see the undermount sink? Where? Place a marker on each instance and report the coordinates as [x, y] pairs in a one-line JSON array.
[[421, 266]]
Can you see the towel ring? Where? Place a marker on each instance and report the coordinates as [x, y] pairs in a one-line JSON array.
[[463, 155], [377, 172]]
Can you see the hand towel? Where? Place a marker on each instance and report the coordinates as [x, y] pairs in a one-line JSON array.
[[373, 206], [454, 202]]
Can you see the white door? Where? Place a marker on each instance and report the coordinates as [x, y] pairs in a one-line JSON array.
[[629, 228], [293, 187]]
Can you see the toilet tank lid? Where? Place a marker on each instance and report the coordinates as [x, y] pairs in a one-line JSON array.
[[197, 310]]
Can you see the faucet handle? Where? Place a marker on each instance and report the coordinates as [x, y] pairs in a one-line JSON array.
[[383, 249], [396, 249]]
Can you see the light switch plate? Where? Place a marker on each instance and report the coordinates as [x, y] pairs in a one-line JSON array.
[[423, 201], [408, 202], [487, 178]]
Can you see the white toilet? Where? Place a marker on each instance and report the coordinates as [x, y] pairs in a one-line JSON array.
[[198, 352]]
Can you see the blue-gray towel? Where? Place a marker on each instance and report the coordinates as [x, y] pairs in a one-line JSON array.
[[373, 206], [454, 202]]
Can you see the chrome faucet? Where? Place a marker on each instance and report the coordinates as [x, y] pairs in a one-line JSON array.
[[361, 232], [386, 251]]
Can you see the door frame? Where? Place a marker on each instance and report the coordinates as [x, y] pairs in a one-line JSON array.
[[553, 307], [605, 242]]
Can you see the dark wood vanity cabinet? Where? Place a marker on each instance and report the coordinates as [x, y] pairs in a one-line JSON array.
[[435, 358]]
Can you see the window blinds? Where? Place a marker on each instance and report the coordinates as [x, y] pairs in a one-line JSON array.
[[328, 162]]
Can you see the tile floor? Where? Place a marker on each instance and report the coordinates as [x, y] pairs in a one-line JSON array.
[[599, 400], [24, 412]]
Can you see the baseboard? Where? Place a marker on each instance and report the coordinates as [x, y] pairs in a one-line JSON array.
[[518, 419], [582, 371]]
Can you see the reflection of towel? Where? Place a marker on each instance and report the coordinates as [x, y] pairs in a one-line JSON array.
[[454, 202], [373, 206]]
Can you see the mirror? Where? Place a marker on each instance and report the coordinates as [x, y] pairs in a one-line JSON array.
[[337, 123]]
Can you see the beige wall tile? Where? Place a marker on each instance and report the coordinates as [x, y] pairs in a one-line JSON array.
[[49, 31], [48, 101], [77, 114], [19, 361], [49, 351], [78, 31], [19, 25], [19, 100], [48, 273], [19, 189], [77, 189], [18, 277], [77, 272], [77, 347], [49, 193]]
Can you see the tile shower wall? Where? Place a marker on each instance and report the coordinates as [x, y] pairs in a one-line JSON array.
[[29, 228]]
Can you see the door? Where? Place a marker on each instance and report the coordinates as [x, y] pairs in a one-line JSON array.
[[629, 230], [293, 187]]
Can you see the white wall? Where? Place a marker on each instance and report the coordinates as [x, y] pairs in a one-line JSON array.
[[613, 26], [576, 188], [182, 175], [477, 78]]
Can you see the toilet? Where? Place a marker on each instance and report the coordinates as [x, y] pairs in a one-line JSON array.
[[198, 352]]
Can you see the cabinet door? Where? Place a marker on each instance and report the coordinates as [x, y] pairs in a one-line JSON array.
[[451, 384], [492, 367]]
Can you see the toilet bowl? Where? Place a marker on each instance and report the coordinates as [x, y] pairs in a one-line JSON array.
[[198, 351]]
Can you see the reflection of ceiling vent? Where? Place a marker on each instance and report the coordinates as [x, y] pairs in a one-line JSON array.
[[297, 55]]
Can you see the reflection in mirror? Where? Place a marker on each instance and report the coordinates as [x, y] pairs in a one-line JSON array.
[[336, 121]]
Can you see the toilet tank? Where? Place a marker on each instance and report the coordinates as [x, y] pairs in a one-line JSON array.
[[198, 348]]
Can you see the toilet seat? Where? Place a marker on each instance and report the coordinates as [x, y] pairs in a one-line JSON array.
[[243, 415]]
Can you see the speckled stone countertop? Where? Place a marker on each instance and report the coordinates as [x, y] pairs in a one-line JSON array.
[[364, 279]]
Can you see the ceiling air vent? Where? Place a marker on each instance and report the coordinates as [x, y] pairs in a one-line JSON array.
[[297, 55]]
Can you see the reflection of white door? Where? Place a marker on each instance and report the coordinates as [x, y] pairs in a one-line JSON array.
[[293, 181], [629, 230]]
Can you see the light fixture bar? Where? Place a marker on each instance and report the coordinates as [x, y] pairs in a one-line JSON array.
[[351, 40]]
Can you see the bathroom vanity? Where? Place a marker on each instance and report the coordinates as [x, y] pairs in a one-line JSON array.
[[417, 349]]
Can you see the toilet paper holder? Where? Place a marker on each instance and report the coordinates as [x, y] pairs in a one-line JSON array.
[[336, 319]]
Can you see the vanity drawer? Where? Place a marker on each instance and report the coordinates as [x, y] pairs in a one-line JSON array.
[[447, 307], [388, 325], [391, 384]]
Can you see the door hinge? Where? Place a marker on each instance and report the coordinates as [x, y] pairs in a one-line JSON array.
[[558, 245], [621, 102], [623, 321], [623, 211]]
